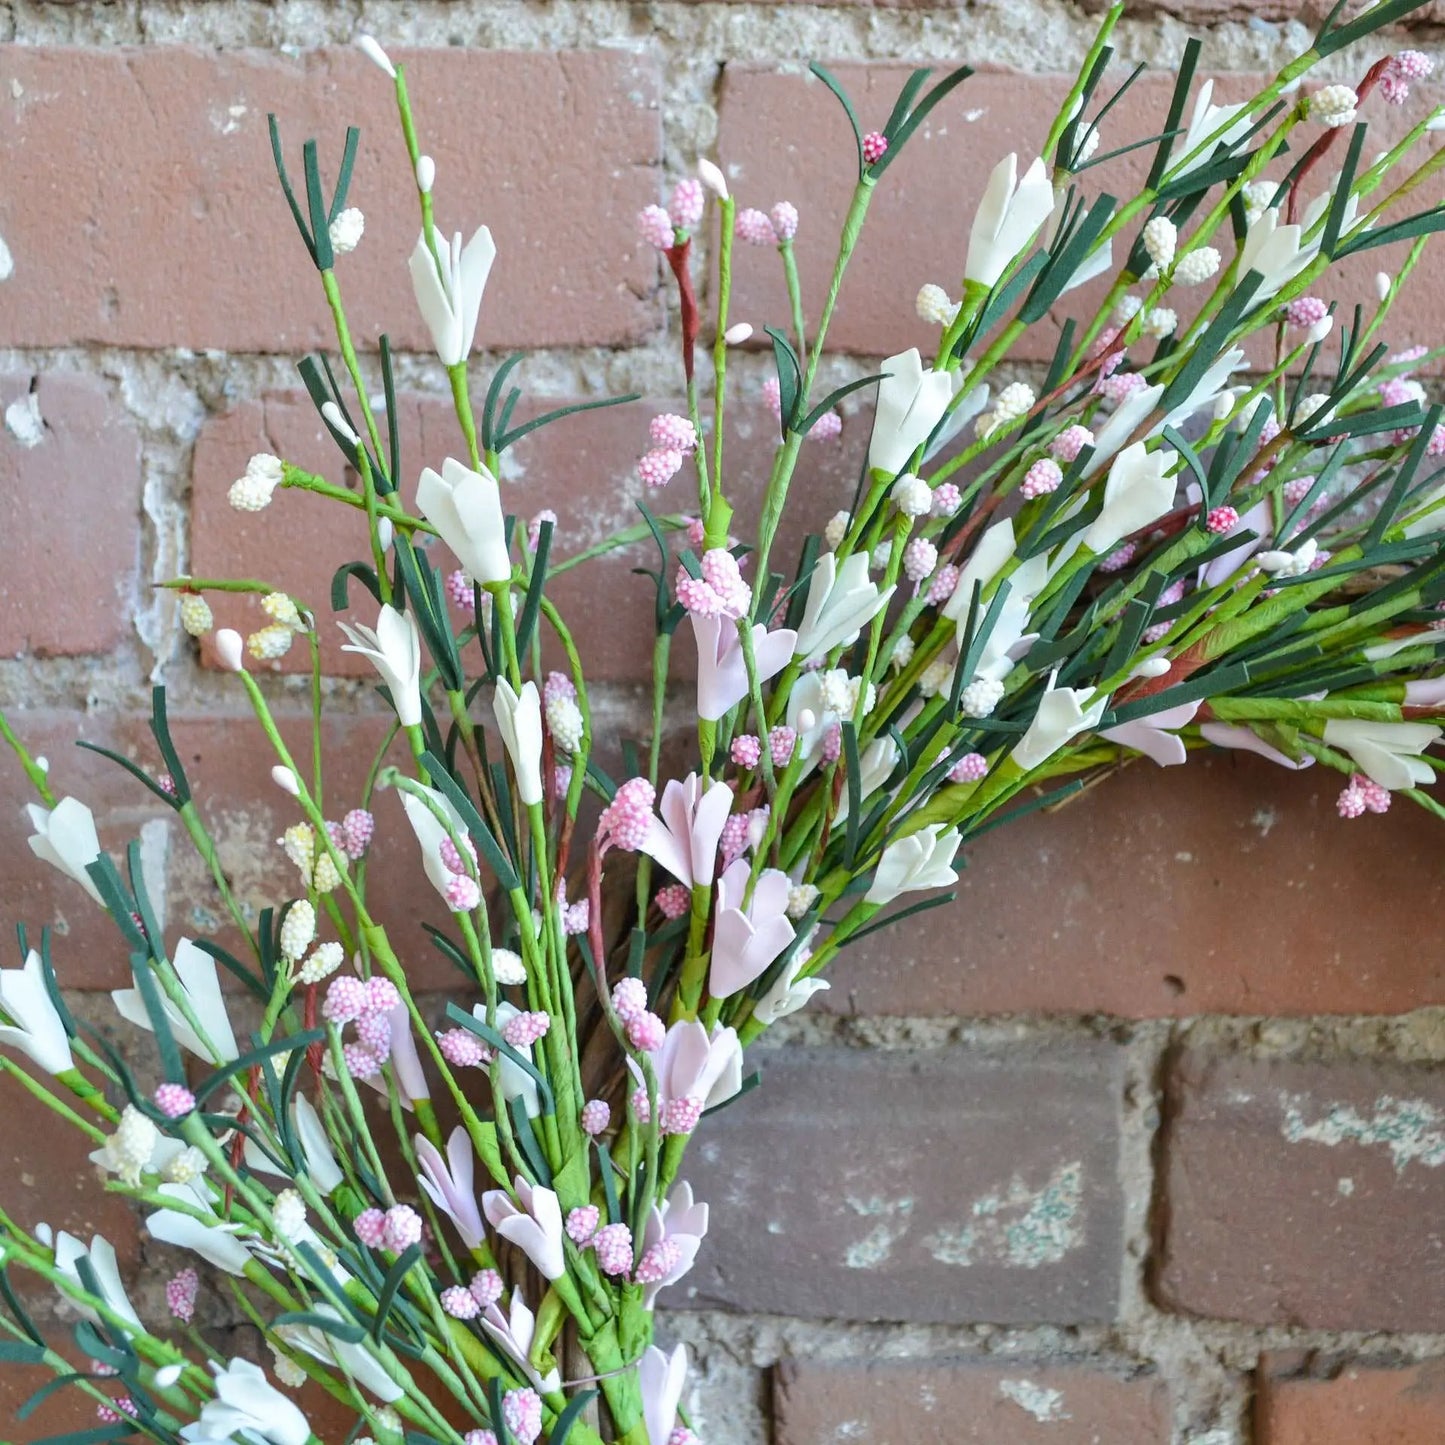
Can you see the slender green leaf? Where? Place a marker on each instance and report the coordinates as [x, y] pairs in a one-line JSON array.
[[828, 79]]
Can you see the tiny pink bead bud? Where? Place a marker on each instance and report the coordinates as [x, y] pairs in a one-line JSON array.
[[181, 1291], [486, 1287], [381, 995], [684, 208], [672, 432], [452, 858], [784, 217], [1305, 311], [459, 1303], [534, 527], [696, 533], [641, 1106], [673, 901], [1121, 387], [773, 395], [1041, 479], [680, 1116], [1221, 520], [403, 1228], [658, 1262], [944, 584], [681, 1435], [524, 1029], [613, 1244], [920, 557], [462, 893], [370, 1228], [659, 466], [1296, 490], [645, 1032], [596, 1116], [346, 999], [654, 225], [174, 1100], [875, 146], [1120, 558], [827, 428], [373, 1031], [1411, 64], [522, 1410], [462, 1049], [781, 742], [459, 591], [947, 499], [629, 998], [754, 228], [576, 917], [626, 819], [582, 1223], [1070, 442], [832, 743], [969, 769], [1351, 802], [484, 1437], [746, 750], [167, 785], [360, 1062]]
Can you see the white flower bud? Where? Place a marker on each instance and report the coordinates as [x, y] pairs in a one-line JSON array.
[[1319, 330], [564, 722], [912, 496], [1015, 400], [737, 334], [980, 697], [345, 231], [1308, 407], [903, 651], [288, 1214], [1257, 195], [1126, 308], [1160, 321], [807, 720], [331, 415], [801, 897], [228, 649], [385, 532], [325, 959], [937, 677], [1334, 105], [508, 967], [287, 1371], [270, 642], [1382, 285], [1195, 267], [252, 491], [712, 178], [426, 174], [1224, 405], [283, 777], [279, 607], [1086, 147], [298, 930], [1160, 240], [835, 531], [375, 54], [167, 1376]]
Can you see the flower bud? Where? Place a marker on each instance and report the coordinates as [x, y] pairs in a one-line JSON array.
[[229, 647]]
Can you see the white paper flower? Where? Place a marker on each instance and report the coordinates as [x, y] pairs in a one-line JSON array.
[[535, 1228], [519, 720], [355, 1360], [909, 865], [1232, 121], [661, 1378], [1386, 752], [35, 1026], [101, 1254], [196, 970], [65, 838], [1007, 219], [841, 602], [449, 296], [430, 832], [466, 509], [394, 649], [216, 1242], [1062, 715], [789, 993], [912, 399], [320, 1163], [1139, 491], [247, 1407]]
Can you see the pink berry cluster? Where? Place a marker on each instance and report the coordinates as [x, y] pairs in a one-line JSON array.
[[1363, 795], [462, 892], [596, 1117], [645, 1031], [1306, 311], [459, 592], [626, 819], [944, 585], [1117, 560], [181, 1291], [673, 439], [673, 901], [1070, 442], [523, 1030], [613, 1246], [1121, 386], [758, 228], [1401, 69], [1171, 594], [947, 499], [1041, 479], [395, 1229], [462, 1049], [920, 557], [827, 428], [970, 768], [175, 1101], [741, 832], [1221, 520], [719, 592], [366, 1003], [522, 1411], [534, 527], [875, 146]]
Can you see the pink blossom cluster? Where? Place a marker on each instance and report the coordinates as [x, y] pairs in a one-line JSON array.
[[1401, 69], [673, 438], [1361, 796], [395, 1229], [719, 592], [368, 1004]]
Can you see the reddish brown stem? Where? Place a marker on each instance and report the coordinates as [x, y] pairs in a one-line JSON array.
[[678, 257]]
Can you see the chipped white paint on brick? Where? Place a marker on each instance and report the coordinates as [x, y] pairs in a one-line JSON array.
[[1044, 1404], [1264, 819], [24, 422], [1018, 1226], [1411, 1129], [877, 1245]]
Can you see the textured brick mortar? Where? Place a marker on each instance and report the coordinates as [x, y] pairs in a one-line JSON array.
[[1082, 1151]]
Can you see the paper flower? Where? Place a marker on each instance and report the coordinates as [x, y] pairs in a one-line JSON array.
[[789, 993], [516, 1082], [466, 509], [722, 672], [247, 1407], [394, 649], [514, 1332], [920, 861], [685, 839], [661, 1379], [1281, 252], [35, 1028], [1139, 491], [1061, 716], [101, 1255], [911, 402], [1007, 219], [746, 939], [1231, 121], [196, 971], [519, 720], [448, 289], [1227, 735], [319, 1162], [355, 1360], [406, 1069], [448, 1183], [1150, 735], [215, 1243], [1388, 753], [678, 1222], [535, 1228], [431, 833], [841, 602], [695, 1064], [65, 838]]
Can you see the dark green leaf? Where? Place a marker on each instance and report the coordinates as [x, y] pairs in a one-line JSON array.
[[394, 1276], [138, 773], [316, 206], [489, 406], [286, 185], [493, 1038], [533, 604], [1182, 83], [569, 1417], [832, 400], [831, 82], [547, 418], [790, 378], [338, 1329], [852, 769], [343, 176], [254, 1056], [365, 574], [897, 139]]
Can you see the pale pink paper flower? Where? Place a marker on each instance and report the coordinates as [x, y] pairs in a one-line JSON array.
[[514, 1332], [693, 1063], [448, 1184], [1151, 736], [685, 839], [747, 939], [1227, 735], [535, 1228], [722, 673], [681, 1222], [661, 1379]]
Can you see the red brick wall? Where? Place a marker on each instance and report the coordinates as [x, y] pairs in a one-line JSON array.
[[1146, 1133]]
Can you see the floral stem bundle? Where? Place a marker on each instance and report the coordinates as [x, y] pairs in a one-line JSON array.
[[1212, 520]]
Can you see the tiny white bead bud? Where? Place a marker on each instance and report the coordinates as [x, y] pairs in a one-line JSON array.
[[375, 54], [737, 334], [345, 231], [1224, 405], [289, 1214], [283, 777], [835, 531], [1382, 285], [1160, 240], [230, 648], [1159, 321], [912, 496], [1015, 400], [196, 615], [43, 764], [385, 532], [807, 720], [1126, 308], [712, 178], [1335, 105], [426, 174], [331, 415], [167, 1376], [1195, 267], [933, 305]]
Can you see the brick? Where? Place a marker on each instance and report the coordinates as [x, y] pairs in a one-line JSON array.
[[1209, 888], [1347, 1156], [68, 452], [917, 228], [66, 1410], [900, 1402], [1359, 1406], [583, 468], [946, 1186], [168, 186]]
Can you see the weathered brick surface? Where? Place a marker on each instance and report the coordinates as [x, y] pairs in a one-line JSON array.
[[583, 468], [1215, 887], [66, 451], [1304, 1194], [1358, 1406], [159, 160], [944, 1186], [896, 1402], [917, 229]]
